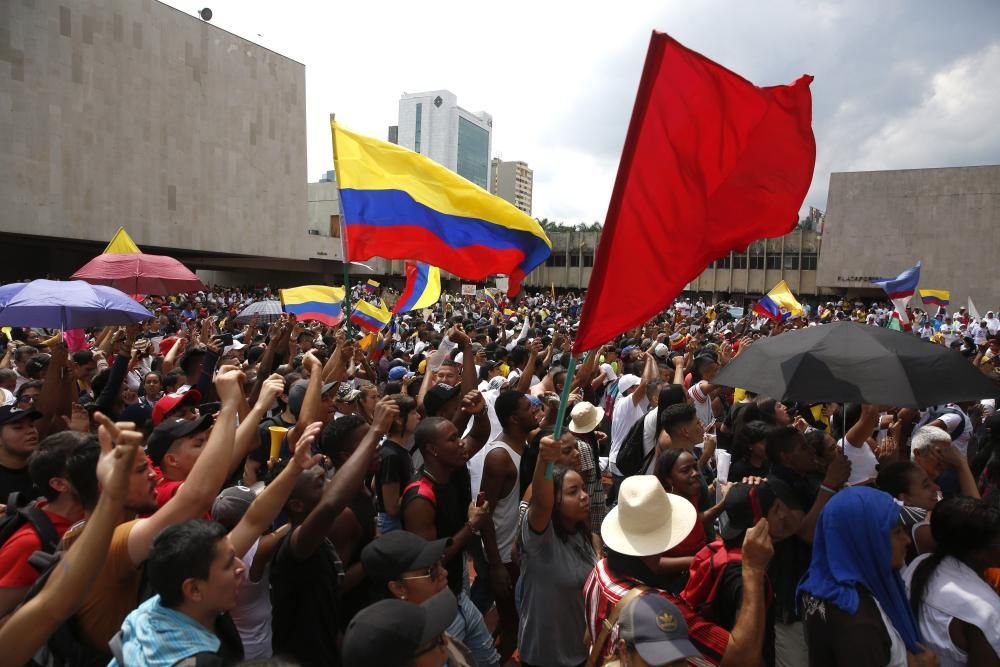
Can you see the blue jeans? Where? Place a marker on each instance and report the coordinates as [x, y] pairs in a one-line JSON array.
[[388, 523], [470, 629]]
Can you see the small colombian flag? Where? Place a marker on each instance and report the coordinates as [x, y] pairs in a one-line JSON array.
[[314, 302]]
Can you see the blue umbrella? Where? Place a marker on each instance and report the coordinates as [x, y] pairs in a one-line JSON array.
[[71, 304]]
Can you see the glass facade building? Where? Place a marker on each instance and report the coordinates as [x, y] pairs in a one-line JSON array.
[[473, 152]]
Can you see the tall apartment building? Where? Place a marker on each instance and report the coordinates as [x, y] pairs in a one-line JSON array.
[[432, 124], [512, 181]]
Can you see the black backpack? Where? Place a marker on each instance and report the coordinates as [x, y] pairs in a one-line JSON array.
[[21, 511], [631, 460]]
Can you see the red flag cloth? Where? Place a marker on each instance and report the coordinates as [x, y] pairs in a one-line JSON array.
[[711, 163]]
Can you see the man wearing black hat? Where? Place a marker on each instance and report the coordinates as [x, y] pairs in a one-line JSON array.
[[18, 439], [715, 588], [173, 447]]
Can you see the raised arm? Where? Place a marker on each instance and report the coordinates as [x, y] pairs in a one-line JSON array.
[[474, 404], [195, 496], [27, 628], [746, 641], [266, 507], [857, 435], [542, 489], [247, 436], [345, 484], [524, 381], [312, 402]]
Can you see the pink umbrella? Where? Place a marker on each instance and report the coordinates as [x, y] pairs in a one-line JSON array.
[[139, 273]]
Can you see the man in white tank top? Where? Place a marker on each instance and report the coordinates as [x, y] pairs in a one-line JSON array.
[[501, 484]]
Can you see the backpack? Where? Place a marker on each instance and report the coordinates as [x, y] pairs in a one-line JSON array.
[[610, 396], [706, 573], [956, 432], [632, 460], [19, 512]]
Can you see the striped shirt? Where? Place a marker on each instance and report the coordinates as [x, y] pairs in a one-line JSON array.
[[604, 589]]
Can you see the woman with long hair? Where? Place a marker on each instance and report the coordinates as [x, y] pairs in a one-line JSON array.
[[557, 556], [853, 600], [750, 452], [958, 612]]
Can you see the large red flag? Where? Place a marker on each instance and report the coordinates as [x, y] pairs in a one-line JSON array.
[[711, 163]]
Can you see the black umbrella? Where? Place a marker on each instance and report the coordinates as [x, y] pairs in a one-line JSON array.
[[846, 362]]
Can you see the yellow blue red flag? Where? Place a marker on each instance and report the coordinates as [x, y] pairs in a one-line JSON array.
[[423, 287], [314, 302], [372, 318], [779, 303], [399, 204], [937, 297]]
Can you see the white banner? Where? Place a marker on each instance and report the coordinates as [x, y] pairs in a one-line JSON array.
[[501, 283], [468, 290]]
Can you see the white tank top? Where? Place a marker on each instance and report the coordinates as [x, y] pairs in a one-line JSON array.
[[506, 512], [863, 461]]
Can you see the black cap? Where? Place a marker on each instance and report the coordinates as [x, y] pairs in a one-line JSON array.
[[437, 396], [746, 504], [400, 551], [169, 430], [9, 414], [391, 633]]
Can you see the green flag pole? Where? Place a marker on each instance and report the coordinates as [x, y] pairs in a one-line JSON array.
[[563, 400], [343, 234]]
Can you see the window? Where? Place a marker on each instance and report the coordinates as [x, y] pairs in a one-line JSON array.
[[809, 261], [722, 262], [574, 259], [416, 131], [588, 259], [756, 261], [773, 261], [556, 259], [335, 226], [791, 262], [473, 152], [739, 261]]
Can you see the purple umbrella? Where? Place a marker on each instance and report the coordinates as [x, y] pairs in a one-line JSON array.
[[71, 304]]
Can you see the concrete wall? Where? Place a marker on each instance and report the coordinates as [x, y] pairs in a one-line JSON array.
[[879, 223], [131, 113]]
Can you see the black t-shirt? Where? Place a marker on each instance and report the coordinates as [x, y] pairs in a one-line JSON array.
[[792, 556], [744, 468], [726, 606], [395, 467], [451, 512], [262, 453], [18, 480], [838, 639], [305, 603]]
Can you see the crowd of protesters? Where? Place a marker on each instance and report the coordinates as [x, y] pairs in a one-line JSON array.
[[196, 490]]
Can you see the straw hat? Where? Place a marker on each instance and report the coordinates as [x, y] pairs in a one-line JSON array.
[[585, 417], [647, 520]]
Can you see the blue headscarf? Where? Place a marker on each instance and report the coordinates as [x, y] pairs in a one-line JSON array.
[[852, 547]]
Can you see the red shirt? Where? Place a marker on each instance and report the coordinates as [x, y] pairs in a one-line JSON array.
[[604, 589], [15, 571], [166, 489]]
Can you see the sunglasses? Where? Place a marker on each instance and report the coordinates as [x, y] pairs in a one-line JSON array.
[[430, 573]]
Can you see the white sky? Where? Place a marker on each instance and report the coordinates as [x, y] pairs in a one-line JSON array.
[[899, 83]]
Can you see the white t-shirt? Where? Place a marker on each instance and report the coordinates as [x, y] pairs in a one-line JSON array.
[[252, 613], [702, 404], [863, 461], [626, 413]]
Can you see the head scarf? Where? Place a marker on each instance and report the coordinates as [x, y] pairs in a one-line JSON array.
[[852, 547]]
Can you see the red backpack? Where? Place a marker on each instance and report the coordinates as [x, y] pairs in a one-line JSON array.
[[706, 573]]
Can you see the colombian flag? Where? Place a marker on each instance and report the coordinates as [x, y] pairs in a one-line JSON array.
[[779, 303], [372, 285], [314, 302], [423, 287], [490, 297], [370, 317], [936, 297], [401, 205]]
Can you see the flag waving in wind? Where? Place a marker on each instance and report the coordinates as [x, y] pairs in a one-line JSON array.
[[423, 287], [711, 163], [372, 318], [903, 285], [779, 303], [935, 297], [314, 302], [401, 205]]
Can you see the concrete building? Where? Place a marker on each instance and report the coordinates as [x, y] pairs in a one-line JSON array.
[[138, 115], [432, 124], [571, 262], [881, 222], [513, 182]]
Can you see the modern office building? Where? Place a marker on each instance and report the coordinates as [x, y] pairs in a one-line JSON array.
[[433, 124], [513, 182]]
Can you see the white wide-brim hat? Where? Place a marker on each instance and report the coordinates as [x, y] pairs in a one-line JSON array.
[[585, 417], [647, 520]]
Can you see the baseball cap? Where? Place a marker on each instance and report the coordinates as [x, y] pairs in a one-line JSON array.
[[9, 414], [171, 402], [437, 396], [397, 373], [656, 629], [746, 504], [661, 351], [170, 430], [400, 551], [230, 505], [297, 394], [626, 382], [346, 393], [391, 633]]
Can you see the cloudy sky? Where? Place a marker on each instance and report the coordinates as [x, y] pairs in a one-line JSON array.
[[899, 83]]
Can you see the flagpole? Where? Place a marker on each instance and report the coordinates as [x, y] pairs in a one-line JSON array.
[[563, 400], [343, 235]]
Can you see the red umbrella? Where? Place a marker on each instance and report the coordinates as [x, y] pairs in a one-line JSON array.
[[139, 273]]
